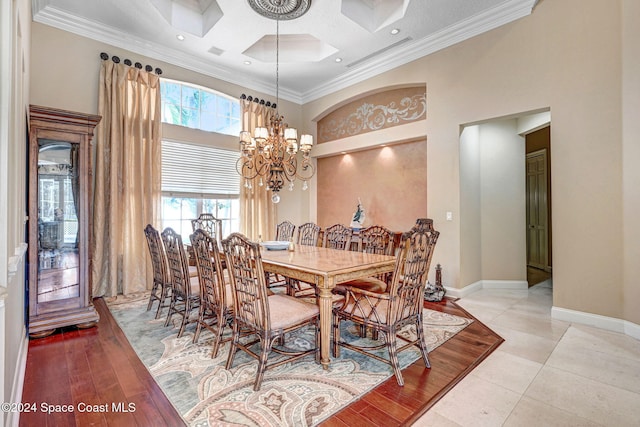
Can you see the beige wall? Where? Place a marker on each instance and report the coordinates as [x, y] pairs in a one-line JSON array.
[[566, 56], [631, 154], [15, 20], [470, 207], [492, 203], [502, 202]]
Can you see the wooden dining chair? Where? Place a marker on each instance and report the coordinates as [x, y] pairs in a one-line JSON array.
[[185, 290], [216, 301], [284, 232], [308, 234], [391, 311], [266, 318], [376, 240], [210, 224], [337, 236], [373, 240], [161, 288]]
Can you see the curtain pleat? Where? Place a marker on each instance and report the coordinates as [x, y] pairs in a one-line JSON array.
[[257, 211], [128, 177]]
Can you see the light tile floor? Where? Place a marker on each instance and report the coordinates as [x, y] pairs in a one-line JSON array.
[[546, 373]]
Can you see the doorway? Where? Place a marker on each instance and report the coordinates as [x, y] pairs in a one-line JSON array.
[[538, 197]]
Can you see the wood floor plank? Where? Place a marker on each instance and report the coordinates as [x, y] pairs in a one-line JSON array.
[[98, 366]]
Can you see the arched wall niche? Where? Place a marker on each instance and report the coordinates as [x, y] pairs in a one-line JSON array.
[[362, 95], [374, 111], [383, 165]]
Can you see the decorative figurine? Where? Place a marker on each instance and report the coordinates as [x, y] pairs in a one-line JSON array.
[[435, 293], [358, 216]]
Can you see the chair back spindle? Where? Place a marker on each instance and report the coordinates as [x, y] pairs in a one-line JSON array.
[[161, 281], [308, 234], [210, 224], [214, 301], [337, 237], [183, 299], [285, 230]]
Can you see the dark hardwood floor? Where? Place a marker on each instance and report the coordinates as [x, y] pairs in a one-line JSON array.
[[97, 366]]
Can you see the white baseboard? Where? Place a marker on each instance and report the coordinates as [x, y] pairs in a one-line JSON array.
[[487, 284], [505, 284], [603, 322], [463, 292], [632, 329], [18, 379], [573, 316]]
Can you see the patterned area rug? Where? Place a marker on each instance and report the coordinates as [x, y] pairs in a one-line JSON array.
[[297, 394]]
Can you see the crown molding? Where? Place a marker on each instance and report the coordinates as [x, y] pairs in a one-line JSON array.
[[502, 14], [488, 20], [48, 15]]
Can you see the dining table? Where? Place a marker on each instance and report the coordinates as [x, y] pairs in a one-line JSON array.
[[325, 268]]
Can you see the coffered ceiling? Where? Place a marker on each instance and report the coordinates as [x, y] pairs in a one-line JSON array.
[[335, 43]]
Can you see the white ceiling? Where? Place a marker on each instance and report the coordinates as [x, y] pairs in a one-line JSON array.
[[220, 35]]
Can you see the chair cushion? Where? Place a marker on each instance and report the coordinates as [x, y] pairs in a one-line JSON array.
[[287, 311], [370, 284], [336, 299]]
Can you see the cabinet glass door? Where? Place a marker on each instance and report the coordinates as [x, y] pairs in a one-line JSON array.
[[58, 219]]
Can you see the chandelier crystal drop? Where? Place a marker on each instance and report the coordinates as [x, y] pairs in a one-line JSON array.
[[272, 151]]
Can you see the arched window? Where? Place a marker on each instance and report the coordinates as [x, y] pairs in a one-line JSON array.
[[196, 107]]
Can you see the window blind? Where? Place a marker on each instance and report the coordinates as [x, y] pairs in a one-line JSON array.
[[189, 169]]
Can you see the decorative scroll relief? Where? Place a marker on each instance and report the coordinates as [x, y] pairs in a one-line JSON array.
[[368, 116]]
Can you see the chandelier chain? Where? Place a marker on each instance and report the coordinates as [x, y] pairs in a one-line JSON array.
[[277, 63]]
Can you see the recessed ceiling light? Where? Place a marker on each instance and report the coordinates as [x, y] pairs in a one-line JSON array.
[[247, 62], [180, 37], [395, 31], [343, 152], [338, 59]]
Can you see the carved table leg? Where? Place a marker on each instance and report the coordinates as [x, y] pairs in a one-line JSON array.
[[325, 303]]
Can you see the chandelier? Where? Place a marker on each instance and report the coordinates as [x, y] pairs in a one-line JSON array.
[[271, 153]]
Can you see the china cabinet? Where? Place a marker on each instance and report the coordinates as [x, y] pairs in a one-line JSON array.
[[59, 220]]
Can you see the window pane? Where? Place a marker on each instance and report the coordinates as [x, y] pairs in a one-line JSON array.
[[170, 92], [190, 98], [208, 121], [223, 124], [234, 127], [177, 213], [189, 208], [171, 113], [195, 107], [208, 101], [224, 106], [235, 110], [190, 118], [209, 206]]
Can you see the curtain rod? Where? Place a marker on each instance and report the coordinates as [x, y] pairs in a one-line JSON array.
[[115, 59], [258, 100]]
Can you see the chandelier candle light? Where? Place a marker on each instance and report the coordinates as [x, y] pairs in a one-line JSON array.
[[271, 152]]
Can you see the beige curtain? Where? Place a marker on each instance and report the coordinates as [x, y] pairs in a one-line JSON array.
[[257, 211], [127, 178]]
